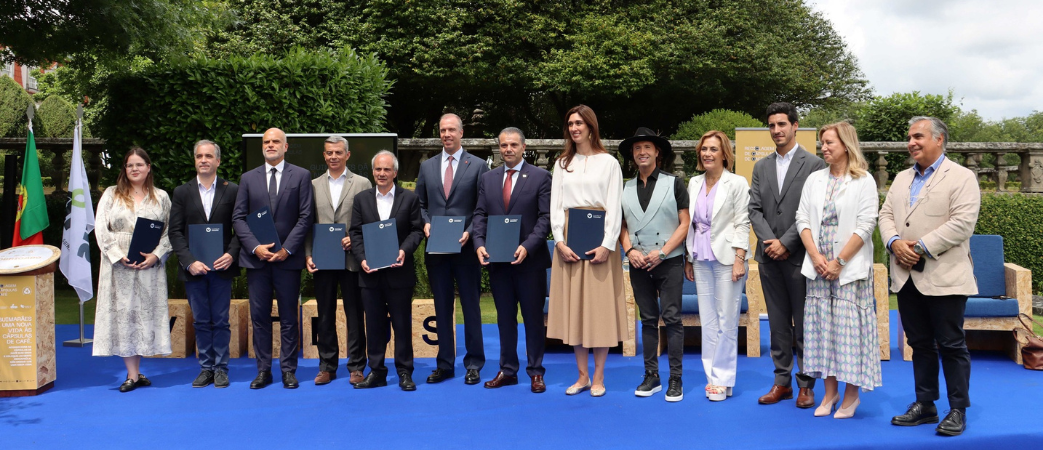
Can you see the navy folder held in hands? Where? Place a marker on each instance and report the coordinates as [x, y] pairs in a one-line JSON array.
[[145, 239], [502, 237], [326, 250], [445, 234], [206, 242], [586, 231], [262, 225], [381, 243]]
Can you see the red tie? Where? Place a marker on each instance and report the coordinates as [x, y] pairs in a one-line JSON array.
[[507, 189], [447, 181]]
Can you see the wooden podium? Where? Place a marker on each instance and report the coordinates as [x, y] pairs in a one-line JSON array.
[[27, 319]]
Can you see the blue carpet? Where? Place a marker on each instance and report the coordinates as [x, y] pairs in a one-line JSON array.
[[84, 409]]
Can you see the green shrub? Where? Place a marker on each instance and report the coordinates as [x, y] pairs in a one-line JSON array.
[[1019, 219], [718, 119], [57, 117], [887, 119], [14, 101], [167, 107]]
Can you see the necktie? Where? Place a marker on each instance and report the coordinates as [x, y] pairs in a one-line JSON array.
[[447, 181], [273, 190], [507, 189]]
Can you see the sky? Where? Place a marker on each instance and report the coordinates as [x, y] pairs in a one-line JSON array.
[[988, 52]]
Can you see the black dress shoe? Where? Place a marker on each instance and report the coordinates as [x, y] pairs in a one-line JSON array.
[[472, 377], [142, 381], [373, 380], [405, 381], [440, 375], [289, 380], [204, 379], [128, 385], [954, 423], [918, 414], [221, 379], [263, 380]]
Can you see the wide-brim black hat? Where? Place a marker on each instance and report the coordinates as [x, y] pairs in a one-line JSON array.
[[666, 153]]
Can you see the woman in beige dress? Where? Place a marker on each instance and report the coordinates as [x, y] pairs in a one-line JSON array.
[[586, 307], [131, 318]]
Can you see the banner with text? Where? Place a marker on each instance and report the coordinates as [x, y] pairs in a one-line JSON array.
[[17, 333]]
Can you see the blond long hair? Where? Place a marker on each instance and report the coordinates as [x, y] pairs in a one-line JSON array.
[[857, 166]]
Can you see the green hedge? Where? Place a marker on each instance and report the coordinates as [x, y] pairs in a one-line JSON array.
[[1019, 219], [718, 119], [165, 108], [14, 101]]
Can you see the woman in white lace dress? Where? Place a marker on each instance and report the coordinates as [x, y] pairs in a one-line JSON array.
[[131, 318]]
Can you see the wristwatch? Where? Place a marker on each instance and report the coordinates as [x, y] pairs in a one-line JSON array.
[[919, 250], [842, 261], [661, 254]]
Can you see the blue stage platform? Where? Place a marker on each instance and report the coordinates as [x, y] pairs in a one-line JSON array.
[[85, 410]]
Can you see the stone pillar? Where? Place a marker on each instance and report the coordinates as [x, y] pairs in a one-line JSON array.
[[541, 159], [58, 174], [1031, 171], [970, 161], [679, 163], [881, 170], [1001, 171]]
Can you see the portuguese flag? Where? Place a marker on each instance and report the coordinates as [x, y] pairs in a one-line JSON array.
[[32, 208]]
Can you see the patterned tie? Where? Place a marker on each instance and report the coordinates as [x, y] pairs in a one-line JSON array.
[[507, 189], [273, 190], [447, 181]]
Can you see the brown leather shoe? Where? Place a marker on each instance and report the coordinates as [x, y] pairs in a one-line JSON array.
[[537, 385], [776, 394], [325, 377], [356, 377], [806, 398], [501, 380]]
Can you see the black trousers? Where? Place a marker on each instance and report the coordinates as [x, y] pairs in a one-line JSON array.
[[326, 283], [379, 303], [464, 268], [286, 285], [663, 282], [934, 325], [528, 289], [785, 290]]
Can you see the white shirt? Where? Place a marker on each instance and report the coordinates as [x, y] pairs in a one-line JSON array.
[[782, 164], [384, 203], [514, 176], [207, 195], [336, 187], [278, 174], [445, 160], [595, 181]]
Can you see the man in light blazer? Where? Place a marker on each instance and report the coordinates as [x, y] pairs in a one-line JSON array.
[[388, 291], [207, 199], [448, 186], [335, 193], [927, 221], [778, 180], [517, 188], [286, 190]]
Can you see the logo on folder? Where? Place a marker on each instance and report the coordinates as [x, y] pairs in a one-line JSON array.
[[331, 229], [207, 229]]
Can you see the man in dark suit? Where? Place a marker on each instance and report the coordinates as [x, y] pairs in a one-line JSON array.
[[521, 189], [778, 180], [335, 192], [286, 189], [207, 199], [448, 186], [388, 291]]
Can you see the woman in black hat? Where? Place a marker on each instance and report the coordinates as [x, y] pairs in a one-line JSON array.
[[655, 223]]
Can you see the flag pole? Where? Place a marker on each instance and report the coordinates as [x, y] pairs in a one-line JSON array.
[[81, 342]]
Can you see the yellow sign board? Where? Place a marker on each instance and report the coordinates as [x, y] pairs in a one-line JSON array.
[[17, 333]]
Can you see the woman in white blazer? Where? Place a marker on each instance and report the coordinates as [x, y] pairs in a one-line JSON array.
[[836, 218], [717, 242]]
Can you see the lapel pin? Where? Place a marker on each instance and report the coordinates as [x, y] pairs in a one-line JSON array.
[[525, 175]]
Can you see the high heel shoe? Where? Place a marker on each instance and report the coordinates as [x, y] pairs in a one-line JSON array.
[[827, 406], [847, 413]]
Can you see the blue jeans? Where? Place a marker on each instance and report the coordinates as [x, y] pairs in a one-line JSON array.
[[210, 298]]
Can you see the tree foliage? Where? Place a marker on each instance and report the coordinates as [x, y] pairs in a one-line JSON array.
[[57, 117], [718, 119], [167, 107], [524, 63], [14, 101]]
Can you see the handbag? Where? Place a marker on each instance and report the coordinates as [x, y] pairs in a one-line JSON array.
[[1032, 347]]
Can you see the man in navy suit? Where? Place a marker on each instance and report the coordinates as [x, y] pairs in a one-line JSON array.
[[448, 186], [207, 199], [521, 189], [286, 190]]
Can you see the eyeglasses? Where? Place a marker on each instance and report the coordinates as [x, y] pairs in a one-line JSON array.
[[137, 166]]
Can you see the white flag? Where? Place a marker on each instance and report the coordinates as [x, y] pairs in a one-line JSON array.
[[79, 222]]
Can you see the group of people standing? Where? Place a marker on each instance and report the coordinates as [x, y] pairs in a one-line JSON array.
[[814, 221]]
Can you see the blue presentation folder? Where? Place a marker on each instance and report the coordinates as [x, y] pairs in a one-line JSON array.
[[206, 242], [586, 231], [502, 237], [262, 225], [145, 239], [445, 234], [381, 243], [326, 250]]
